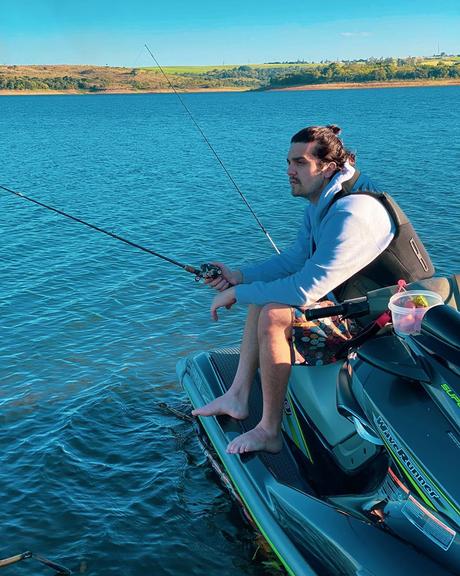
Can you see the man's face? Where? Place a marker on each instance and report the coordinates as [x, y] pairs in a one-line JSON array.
[[307, 175]]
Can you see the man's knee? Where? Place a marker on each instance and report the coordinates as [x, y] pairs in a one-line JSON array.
[[253, 309], [274, 318]]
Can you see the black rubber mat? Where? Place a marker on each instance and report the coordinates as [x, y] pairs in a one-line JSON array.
[[282, 465]]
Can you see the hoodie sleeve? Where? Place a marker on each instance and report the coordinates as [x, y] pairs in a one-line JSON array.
[[351, 238], [281, 265]]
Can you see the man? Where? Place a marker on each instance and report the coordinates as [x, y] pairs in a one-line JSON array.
[[349, 240]]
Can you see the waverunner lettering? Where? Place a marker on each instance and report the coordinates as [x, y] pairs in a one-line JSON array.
[[404, 459], [451, 393]]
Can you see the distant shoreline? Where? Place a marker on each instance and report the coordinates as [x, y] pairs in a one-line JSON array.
[[331, 86], [119, 91], [61, 79], [354, 85]]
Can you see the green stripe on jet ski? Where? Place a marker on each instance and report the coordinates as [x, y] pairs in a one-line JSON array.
[[293, 410], [294, 434]]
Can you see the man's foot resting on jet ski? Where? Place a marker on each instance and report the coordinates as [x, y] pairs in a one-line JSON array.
[[254, 440], [230, 403]]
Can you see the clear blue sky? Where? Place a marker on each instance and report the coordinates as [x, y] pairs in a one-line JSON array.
[[192, 32]]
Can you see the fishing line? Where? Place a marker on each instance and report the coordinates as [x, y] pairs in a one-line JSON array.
[[205, 270], [213, 150]]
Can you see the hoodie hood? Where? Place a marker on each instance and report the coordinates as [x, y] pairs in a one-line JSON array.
[[317, 211]]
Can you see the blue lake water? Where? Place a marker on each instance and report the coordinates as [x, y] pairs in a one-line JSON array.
[[94, 474]]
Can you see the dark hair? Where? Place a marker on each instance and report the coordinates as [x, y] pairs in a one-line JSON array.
[[329, 148]]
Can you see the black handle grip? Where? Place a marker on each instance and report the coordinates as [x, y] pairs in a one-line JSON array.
[[325, 312], [348, 309]]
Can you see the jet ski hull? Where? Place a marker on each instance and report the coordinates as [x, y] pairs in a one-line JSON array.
[[309, 534]]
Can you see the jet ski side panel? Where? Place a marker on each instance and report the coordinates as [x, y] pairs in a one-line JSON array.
[[424, 439], [424, 446]]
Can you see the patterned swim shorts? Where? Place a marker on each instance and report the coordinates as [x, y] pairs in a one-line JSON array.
[[318, 342]]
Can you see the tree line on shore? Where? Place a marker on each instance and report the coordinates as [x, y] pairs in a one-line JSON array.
[[59, 83], [100, 79], [385, 70]]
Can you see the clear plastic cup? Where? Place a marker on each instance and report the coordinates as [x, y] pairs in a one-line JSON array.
[[408, 308]]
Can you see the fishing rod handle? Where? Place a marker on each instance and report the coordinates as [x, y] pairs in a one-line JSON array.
[[14, 559]]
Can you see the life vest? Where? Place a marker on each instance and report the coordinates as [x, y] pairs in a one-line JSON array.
[[404, 258]]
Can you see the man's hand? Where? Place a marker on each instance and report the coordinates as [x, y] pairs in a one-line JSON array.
[[228, 278], [226, 298]]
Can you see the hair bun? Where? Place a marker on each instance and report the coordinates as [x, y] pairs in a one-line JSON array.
[[334, 129]]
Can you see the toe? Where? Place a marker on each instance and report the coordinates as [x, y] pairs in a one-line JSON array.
[[230, 448]]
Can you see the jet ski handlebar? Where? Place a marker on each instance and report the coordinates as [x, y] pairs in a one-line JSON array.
[[353, 308]]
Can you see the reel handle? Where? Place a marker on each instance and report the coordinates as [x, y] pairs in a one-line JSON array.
[[209, 271]]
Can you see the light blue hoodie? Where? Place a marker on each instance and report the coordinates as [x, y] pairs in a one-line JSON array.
[[348, 236]]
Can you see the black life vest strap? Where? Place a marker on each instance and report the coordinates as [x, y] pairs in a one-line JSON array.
[[347, 188], [396, 214]]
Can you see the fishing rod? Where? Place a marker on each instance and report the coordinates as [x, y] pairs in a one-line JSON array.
[[206, 271], [61, 570], [261, 226]]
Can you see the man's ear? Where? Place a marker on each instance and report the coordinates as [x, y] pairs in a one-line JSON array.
[[329, 169]]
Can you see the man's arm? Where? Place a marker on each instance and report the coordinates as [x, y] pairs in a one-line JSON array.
[[281, 265], [351, 237]]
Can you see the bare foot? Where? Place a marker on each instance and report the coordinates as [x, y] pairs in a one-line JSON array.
[[229, 404], [256, 439]]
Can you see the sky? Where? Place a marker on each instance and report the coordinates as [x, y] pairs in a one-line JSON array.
[[194, 32]]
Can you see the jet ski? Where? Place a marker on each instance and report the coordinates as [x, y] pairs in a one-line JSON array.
[[367, 481]]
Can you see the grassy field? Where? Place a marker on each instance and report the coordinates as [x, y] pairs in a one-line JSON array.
[[189, 69], [447, 60], [207, 69], [432, 61]]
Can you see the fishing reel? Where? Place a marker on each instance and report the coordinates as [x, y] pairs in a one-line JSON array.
[[209, 272]]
